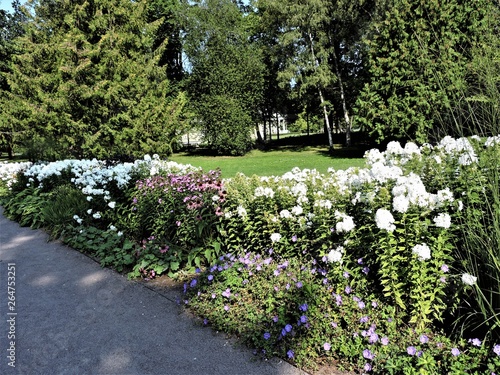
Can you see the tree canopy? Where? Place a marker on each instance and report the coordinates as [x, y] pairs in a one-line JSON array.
[[104, 78]]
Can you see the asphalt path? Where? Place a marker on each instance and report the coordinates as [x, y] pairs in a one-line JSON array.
[[61, 313]]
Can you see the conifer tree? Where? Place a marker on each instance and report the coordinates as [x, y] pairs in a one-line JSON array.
[[88, 81], [418, 57]]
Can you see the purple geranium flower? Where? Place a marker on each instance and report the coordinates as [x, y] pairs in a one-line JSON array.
[[290, 354], [455, 352], [411, 350], [267, 336], [368, 354], [327, 346], [475, 342]]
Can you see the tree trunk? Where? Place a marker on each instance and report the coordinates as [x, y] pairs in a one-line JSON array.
[[344, 105], [277, 127], [264, 127], [323, 104], [327, 120]]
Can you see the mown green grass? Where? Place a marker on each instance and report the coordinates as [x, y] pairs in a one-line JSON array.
[[275, 162]]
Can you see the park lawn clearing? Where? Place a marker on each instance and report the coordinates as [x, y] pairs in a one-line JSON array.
[[274, 162]]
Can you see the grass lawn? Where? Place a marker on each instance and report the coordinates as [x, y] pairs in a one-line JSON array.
[[275, 162]]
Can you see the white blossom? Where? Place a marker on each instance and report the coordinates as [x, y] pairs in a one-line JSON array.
[[242, 212], [443, 220], [264, 192], [346, 223], [423, 251], [297, 210], [384, 220], [400, 203], [285, 214], [335, 255], [275, 237], [468, 279]]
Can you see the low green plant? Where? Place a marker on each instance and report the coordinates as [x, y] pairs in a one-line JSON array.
[[306, 311], [62, 204], [108, 246], [181, 212], [26, 206]]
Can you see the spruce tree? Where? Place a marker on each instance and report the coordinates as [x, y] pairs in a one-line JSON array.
[[418, 57], [88, 81]]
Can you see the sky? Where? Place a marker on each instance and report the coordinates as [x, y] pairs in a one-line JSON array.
[[6, 4]]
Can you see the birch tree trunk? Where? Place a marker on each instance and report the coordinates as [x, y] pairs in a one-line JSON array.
[[344, 105], [321, 97]]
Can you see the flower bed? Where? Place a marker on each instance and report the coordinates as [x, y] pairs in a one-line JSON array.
[[369, 267]]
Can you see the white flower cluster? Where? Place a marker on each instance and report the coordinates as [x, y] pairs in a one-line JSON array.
[[468, 279], [264, 192], [335, 255], [384, 220], [422, 251], [461, 148], [345, 223], [9, 171], [443, 220]]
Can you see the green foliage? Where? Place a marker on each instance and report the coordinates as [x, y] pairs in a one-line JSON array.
[[300, 311], [413, 48], [62, 204], [88, 79], [178, 214], [226, 78], [109, 247], [479, 249], [11, 27], [26, 206], [306, 123]]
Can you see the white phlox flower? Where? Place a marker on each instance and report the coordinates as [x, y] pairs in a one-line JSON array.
[[264, 192], [400, 203], [384, 220], [323, 203], [443, 220], [242, 212], [422, 251], [285, 214], [275, 237], [468, 279], [346, 223], [335, 255]]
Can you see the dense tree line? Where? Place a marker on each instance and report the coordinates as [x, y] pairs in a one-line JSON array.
[[107, 78]]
